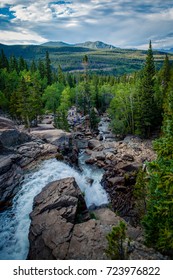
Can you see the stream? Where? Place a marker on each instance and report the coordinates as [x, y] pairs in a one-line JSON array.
[[15, 221]]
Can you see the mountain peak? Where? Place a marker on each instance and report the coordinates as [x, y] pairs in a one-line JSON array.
[[87, 44], [96, 45]]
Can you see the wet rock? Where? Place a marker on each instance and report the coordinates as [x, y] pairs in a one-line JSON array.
[[19, 150], [90, 161], [10, 177]]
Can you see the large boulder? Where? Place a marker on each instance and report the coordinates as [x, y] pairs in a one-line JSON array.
[[56, 210], [10, 136]]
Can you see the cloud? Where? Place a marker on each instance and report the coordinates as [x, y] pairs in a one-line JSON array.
[[124, 23], [32, 13], [20, 36], [3, 16]]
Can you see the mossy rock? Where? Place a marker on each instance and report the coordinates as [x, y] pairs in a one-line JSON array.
[[59, 156]]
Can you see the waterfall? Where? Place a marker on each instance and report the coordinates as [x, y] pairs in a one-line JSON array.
[[15, 221]]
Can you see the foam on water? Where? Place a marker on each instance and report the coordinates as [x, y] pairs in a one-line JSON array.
[[15, 221]]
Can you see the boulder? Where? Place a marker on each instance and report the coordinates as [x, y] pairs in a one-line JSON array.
[[92, 144], [11, 175], [54, 136], [56, 210], [6, 123]]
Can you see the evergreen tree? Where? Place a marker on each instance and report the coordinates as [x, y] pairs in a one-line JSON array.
[[13, 64], [22, 64], [145, 102], [22, 99], [61, 77], [3, 60], [48, 70], [41, 69], [165, 73], [33, 66], [117, 250], [158, 221]]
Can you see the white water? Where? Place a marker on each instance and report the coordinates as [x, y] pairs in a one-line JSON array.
[[15, 222]]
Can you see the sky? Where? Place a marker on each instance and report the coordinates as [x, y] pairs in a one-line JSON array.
[[122, 23]]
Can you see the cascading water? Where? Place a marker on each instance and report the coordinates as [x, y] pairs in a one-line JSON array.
[[15, 221]]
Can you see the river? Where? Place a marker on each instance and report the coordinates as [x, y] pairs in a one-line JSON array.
[[15, 221]]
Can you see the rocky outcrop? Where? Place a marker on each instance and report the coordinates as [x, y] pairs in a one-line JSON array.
[[61, 227], [18, 151], [121, 161]]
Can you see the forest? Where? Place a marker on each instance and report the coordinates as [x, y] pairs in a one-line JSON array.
[[139, 104]]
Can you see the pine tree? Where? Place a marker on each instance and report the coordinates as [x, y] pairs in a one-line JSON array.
[[22, 64], [3, 61], [33, 66], [117, 250], [48, 70], [61, 77], [41, 69], [13, 64], [145, 103]]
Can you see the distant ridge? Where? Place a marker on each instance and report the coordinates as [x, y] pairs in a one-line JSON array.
[[55, 44], [88, 44], [170, 50]]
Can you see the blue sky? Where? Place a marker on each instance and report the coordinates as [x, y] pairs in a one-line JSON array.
[[122, 23]]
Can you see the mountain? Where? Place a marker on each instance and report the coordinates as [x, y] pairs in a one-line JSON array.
[[103, 58], [55, 44], [89, 44], [95, 45], [168, 50]]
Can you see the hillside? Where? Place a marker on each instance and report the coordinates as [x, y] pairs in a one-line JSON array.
[[103, 58]]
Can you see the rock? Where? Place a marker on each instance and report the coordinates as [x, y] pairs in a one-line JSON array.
[[56, 209], [128, 157], [6, 123], [100, 157], [90, 161], [89, 181], [92, 144], [18, 151], [54, 136], [88, 242], [141, 252], [61, 228], [13, 137], [10, 177], [110, 156], [59, 156], [116, 180]]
